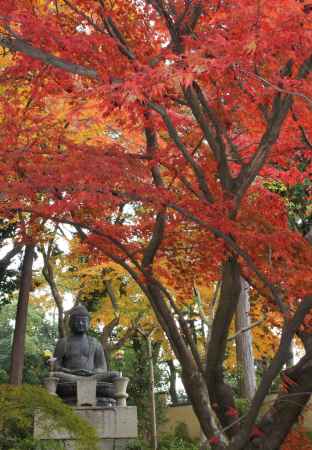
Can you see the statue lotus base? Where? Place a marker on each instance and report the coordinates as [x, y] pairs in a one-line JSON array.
[[88, 391]]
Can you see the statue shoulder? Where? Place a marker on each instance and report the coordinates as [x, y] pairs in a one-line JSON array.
[[62, 340], [95, 343], [61, 344], [60, 348], [94, 340]]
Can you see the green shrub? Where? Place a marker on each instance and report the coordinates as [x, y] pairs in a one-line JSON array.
[[174, 442], [138, 444], [18, 406], [242, 405], [168, 441], [181, 432]]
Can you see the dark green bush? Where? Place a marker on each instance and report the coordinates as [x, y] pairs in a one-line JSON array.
[[169, 441], [18, 406]]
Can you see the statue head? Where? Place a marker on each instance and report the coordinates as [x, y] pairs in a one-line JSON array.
[[79, 319]]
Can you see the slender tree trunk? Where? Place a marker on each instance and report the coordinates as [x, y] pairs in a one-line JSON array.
[[244, 352], [48, 274], [172, 382], [291, 359], [18, 348], [152, 393]]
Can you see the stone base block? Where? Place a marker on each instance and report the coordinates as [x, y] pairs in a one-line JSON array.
[[114, 426]]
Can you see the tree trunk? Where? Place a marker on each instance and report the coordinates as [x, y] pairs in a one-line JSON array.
[[221, 394], [172, 382], [192, 376], [18, 347], [288, 406], [152, 393], [48, 274], [291, 359], [244, 352]]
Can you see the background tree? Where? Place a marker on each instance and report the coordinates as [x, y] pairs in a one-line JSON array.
[[18, 344], [133, 364], [40, 339], [8, 275]]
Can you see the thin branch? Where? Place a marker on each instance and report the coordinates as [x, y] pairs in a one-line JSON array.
[[128, 334], [48, 274], [234, 247], [112, 295], [88, 19], [206, 117], [280, 109], [171, 26], [20, 45], [182, 178], [249, 171], [155, 241], [278, 88], [194, 17], [121, 42], [243, 330], [118, 259], [199, 173], [184, 327], [7, 259]]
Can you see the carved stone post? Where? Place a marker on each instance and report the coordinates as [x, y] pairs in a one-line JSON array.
[[121, 390]]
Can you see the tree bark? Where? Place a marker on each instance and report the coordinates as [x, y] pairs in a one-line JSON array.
[[105, 340], [192, 377], [18, 347], [276, 423], [172, 382], [220, 393], [152, 393], [244, 352], [48, 274]]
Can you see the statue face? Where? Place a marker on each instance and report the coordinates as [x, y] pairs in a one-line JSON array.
[[79, 324]]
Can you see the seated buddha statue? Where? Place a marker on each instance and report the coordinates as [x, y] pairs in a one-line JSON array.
[[80, 355]]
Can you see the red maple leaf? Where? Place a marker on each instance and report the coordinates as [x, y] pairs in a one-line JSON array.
[[256, 432], [232, 412], [214, 440]]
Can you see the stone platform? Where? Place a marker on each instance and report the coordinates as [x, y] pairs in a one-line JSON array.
[[115, 426]]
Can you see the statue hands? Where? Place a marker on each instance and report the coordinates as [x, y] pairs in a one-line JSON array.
[[79, 372], [74, 372]]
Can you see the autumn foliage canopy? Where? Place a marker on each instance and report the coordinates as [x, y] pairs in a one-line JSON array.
[[174, 136]]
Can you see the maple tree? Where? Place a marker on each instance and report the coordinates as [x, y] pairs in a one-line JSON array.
[[156, 129]]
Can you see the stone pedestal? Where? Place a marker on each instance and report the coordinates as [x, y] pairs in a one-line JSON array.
[[114, 426], [86, 392]]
